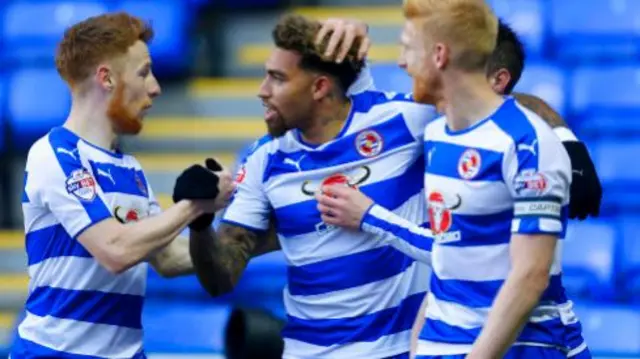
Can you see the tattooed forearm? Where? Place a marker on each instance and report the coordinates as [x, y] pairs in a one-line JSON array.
[[541, 108], [220, 258]]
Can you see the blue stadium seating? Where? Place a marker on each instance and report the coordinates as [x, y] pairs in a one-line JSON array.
[[610, 330], [601, 30], [184, 327], [3, 114], [588, 260], [546, 81], [38, 100], [527, 20], [171, 21], [31, 30], [629, 258], [606, 89]]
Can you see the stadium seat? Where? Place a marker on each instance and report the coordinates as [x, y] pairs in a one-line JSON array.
[[603, 29], [527, 20], [31, 29], [545, 81], [602, 90], [610, 330], [171, 21], [184, 327], [630, 257], [38, 100], [3, 112], [608, 125], [588, 260]]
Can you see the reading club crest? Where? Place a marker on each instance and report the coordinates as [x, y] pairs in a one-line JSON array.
[[82, 185], [369, 143], [469, 164]]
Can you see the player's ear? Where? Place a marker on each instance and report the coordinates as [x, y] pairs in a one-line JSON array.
[[321, 87], [105, 78], [499, 80]]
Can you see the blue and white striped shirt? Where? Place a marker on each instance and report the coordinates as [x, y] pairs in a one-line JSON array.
[[506, 174], [349, 295], [75, 307]]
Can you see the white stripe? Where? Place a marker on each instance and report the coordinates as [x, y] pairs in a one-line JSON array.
[[386, 346], [435, 348], [489, 197], [77, 273], [81, 338], [36, 218], [311, 248], [470, 263], [550, 225], [286, 189], [361, 300], [487, 136], [537, 208], [579, 349], [457, 315]]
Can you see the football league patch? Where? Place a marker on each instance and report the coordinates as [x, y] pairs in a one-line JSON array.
[[530, 183], [82, 185]]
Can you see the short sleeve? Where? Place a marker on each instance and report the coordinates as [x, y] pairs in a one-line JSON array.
[[537, 171], [250, 207], [67, 189]]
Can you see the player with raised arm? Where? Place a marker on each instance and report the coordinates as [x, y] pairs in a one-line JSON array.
[[340, 302], [91, 219], [497, 184]]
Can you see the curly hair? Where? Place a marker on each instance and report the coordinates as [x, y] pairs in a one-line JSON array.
[[298, 34], [96, 39]]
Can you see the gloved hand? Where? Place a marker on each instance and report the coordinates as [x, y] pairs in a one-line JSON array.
[[199, 183], [586, 190]]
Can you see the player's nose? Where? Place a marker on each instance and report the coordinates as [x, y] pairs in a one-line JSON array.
[[154, 89]]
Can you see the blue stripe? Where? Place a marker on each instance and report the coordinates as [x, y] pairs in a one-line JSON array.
[[531, 225], [394, 134], [482, 230], [303, 217], [365, 328], [119, 179], [26, 349], [515, 123], [416, 240], [123, 310], [446, 157], [482, 294], [364, 101], [52, 242], [547, 332], [347, 271], [25, 196], [62, 138]]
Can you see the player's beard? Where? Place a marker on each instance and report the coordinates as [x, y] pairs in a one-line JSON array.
[[426, 90], [124, 122], [276, 125]]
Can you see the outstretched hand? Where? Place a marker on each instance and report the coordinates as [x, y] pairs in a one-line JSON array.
[[343, 206]]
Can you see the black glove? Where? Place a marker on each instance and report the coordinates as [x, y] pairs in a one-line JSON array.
[[586, 190], [197, 182]]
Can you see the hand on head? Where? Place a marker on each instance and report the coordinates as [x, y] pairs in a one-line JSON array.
[[346, 33], [210, 188], [343, 206]]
